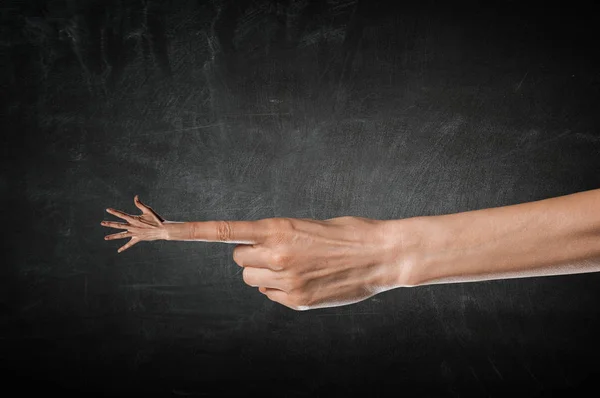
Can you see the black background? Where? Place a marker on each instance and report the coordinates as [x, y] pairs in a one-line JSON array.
[[299, 109]]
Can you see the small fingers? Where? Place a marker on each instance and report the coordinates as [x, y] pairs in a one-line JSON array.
[[112, 224], [120, 214], [132, 242], [120, 235]]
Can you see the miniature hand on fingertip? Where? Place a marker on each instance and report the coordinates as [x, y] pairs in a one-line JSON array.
[[148, 226]]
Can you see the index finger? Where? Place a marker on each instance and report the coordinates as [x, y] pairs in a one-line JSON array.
[[244, 232], [120, 214]]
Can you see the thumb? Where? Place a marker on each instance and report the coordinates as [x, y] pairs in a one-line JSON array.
[[146, 209], [139, 205]]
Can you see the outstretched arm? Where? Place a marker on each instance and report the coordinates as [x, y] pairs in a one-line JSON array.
[[553, 236], [300, 263], [306, 264]]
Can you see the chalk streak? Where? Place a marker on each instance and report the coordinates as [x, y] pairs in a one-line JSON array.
[[256, 114], [179, 130], [521, 82]]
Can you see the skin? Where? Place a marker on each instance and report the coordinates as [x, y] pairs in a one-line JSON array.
[[307, 264], [555, 236], [300, 263]]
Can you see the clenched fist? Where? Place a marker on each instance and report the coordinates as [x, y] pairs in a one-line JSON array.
[[305, 264]]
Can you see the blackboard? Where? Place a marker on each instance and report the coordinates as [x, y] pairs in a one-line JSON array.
[[310, 109]]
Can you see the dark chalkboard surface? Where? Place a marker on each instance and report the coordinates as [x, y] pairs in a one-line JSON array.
[[243, 110]]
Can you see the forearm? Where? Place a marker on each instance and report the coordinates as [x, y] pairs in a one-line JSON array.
[[548, 237]]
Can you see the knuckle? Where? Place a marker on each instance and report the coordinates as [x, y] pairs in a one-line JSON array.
[[280, 228], [281, 222], [224, 230], [280, 259], [286, 224]]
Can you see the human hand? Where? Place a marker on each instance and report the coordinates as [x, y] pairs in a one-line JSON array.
[[307, 264], [146, 227]]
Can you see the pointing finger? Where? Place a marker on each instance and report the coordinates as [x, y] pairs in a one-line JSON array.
[[244, 232]]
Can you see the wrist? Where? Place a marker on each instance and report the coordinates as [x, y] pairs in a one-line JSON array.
[[175, 230], [406, 249], [439, 249]]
